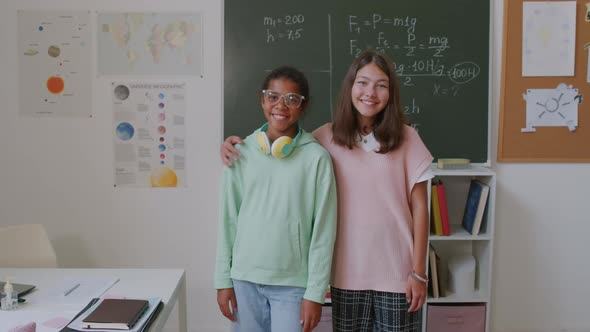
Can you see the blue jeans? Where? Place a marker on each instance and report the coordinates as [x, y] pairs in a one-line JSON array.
[[266, 308]]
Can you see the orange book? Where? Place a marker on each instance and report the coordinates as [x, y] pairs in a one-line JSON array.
[[444, 212], [435, 211]]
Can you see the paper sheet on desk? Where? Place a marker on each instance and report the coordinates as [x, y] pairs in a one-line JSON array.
[[79, 290], [77, 323], [10, 319]]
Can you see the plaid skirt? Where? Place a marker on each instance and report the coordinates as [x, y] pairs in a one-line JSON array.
[[372, 311]]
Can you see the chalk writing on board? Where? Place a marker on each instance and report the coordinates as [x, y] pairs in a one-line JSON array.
[[424, 55], [413, 108], [287, 27], [463, 72]]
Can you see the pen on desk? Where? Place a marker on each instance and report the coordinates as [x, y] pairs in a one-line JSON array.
[[67, 292]]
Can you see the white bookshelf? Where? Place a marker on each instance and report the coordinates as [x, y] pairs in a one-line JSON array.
[[460, 242]]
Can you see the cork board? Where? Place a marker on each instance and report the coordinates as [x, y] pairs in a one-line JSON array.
[[520, 138]]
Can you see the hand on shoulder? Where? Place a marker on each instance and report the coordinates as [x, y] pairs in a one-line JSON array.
[[229, 151]]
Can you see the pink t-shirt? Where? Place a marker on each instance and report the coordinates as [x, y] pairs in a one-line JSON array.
[[374, 243]]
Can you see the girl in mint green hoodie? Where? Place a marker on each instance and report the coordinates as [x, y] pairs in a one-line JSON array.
[[277, 221]]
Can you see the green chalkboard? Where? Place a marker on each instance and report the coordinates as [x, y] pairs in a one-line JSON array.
[[441, 50]]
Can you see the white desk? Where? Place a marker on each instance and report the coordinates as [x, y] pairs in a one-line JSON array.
[[169, 284]]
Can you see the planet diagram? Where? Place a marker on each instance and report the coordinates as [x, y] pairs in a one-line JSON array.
[[125, 131], [53, 51], [163, 177], [121, 92], [55, 84]]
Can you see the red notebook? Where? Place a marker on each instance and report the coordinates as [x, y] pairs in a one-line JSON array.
[[444, 212]]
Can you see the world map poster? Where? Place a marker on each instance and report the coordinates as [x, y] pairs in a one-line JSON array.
[[150, 44]]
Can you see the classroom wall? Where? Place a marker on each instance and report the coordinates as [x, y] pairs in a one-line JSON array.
[[59, 172]]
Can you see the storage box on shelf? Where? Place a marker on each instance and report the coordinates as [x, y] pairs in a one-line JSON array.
[[460, 247]]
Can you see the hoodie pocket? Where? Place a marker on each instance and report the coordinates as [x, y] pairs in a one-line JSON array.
[[275, 246]]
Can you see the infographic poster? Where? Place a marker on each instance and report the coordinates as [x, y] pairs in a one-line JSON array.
[[54, 55], [149, 134]]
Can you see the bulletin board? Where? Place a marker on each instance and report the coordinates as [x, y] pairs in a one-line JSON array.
[[524, 134]]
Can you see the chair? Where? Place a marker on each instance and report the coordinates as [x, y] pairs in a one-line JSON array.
[[26, 246]]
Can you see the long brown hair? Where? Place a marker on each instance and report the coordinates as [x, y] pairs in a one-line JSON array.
[[389, 123]]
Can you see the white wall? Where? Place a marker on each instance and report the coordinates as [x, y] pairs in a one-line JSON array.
[[58, 172], [542, 226]]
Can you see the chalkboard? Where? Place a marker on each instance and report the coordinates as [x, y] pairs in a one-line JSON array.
[[441, 51]]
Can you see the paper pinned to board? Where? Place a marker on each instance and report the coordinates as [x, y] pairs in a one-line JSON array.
[[552, 108], [549, 36]]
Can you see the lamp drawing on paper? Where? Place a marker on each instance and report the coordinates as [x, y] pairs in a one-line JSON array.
[[552, 108]]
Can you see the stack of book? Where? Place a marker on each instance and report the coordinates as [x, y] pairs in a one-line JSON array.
[[473, 214], [133, 315]]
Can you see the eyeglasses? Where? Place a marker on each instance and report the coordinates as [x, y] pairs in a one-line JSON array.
[[291, 100]]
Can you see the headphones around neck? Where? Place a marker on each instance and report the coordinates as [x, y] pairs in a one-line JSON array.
[[281, 147]]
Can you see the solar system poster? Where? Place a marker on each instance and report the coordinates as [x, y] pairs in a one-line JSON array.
[[54, 56], [149, 134]]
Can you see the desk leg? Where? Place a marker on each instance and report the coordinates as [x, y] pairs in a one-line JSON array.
[[182, 305]]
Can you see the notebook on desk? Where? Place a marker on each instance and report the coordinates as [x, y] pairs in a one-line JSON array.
[[144, 324], [20, 289], [116, 314]]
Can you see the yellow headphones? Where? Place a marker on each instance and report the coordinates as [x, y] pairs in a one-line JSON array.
[[281, 147]]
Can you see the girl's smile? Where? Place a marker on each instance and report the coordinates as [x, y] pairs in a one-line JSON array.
[[370, 92]]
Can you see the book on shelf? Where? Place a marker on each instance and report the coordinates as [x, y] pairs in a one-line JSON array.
[[475, 206], [435, 210], [442, 204], [442, 274], [118, 314], [433, 271]]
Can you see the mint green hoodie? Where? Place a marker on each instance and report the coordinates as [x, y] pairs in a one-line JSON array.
[[277, 222]]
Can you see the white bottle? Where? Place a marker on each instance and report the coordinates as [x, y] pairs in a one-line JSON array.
[[10, 299]]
